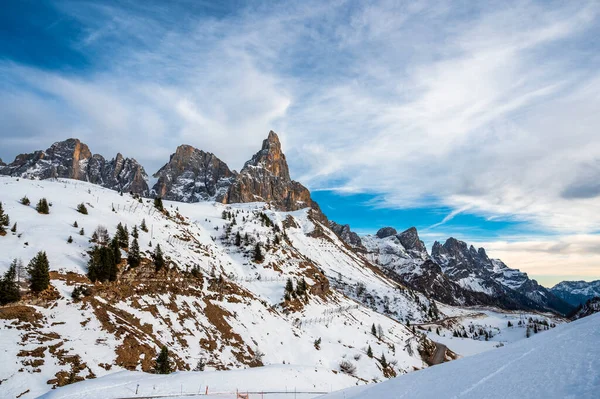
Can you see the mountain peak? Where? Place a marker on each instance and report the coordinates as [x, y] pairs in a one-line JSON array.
[[192, 175], [386, 232], [266, 178], [271, 158], [72, 159], [410, 240]]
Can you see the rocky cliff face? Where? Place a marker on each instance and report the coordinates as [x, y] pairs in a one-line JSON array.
[[2, 163], [347, 235], [72, 159], [192, 175], [266, 178], [577, 292]]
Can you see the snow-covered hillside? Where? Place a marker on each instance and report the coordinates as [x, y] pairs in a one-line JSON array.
[[562, 363], [230, 312]]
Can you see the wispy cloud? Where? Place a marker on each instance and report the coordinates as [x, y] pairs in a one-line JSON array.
[[489, 107]]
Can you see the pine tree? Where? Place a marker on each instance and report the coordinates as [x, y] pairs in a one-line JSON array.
[[289, 286], [116, 248], [143, 226], [75, 224], [14, 228], [238, 239], [9, 289], [102, 265], [158, 204], [133, 258], [70, 239], [3, 216], [374, 330], [25, 201], [122, 236], [383, 362], [82, 209], [258, 256], [4, 219], [159, 261], [370, 352], [39, 272], [163, 364], [81, 232], [134, 232], [42, 207]]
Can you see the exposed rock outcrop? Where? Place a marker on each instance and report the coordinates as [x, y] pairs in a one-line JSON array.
[[192, 175], [347, 235], [72, 159], [386, 232], [266, 178]]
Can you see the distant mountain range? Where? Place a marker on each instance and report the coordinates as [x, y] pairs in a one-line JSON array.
[[454, 273], [577, 292]]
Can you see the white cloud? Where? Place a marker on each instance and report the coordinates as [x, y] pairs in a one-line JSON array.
[[487, 107]]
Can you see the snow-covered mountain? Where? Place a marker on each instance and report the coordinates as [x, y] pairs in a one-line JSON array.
[[474, 270], [562, 363], [455, 273], [215, 301], [257, 277], [72, 159], [576, 292]]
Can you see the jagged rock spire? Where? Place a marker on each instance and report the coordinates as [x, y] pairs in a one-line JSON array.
[[266, 178]]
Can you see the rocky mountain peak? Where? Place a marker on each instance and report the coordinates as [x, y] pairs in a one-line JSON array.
[[411, 242], [192, 175], [2, 163], [271, 158], [266, 178], [386, 232], [72, 159]]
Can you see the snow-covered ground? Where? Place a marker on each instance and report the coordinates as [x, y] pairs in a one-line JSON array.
[[494, 321], [225, 329], [561, 363], [109, 331], [274, 382]]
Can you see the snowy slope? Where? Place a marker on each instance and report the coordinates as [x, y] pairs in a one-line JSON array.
[[563, 363], [278, 378], [232, 315]]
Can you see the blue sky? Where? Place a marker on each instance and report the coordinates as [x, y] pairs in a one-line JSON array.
[[472, 119]]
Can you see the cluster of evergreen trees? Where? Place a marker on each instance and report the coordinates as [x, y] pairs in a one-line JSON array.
[[43, 207], [300, 291], [39, 278]]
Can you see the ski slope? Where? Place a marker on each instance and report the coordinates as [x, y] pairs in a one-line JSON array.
[[561, 363]]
